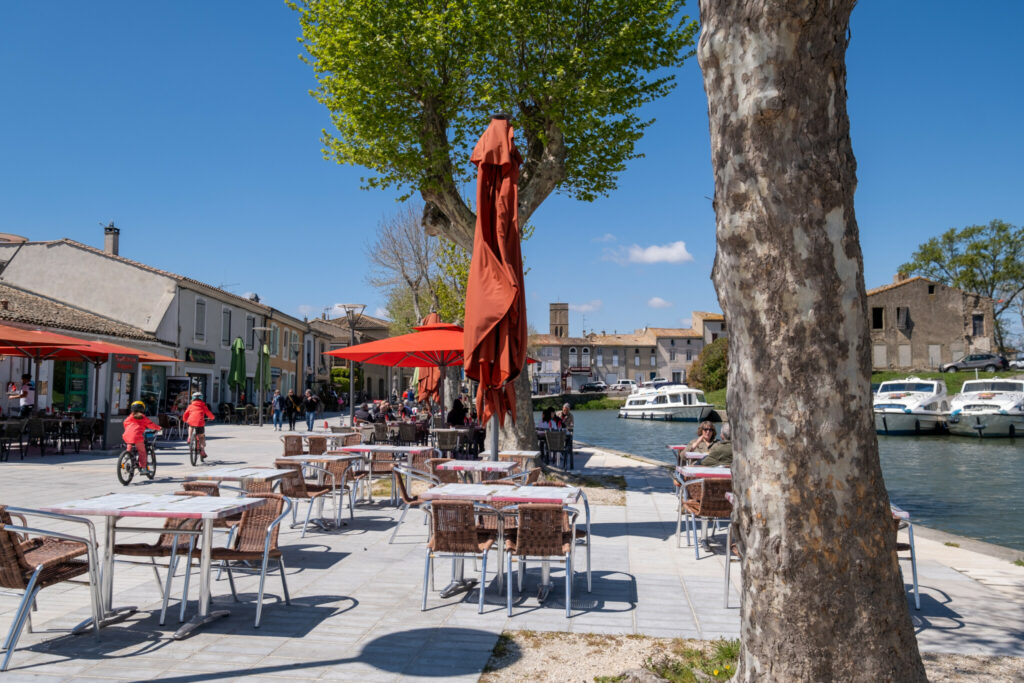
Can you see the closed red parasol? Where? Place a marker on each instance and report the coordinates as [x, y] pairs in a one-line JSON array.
[[430, 378], [495, 351]]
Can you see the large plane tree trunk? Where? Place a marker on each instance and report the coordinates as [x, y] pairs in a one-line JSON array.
[[822, 595]]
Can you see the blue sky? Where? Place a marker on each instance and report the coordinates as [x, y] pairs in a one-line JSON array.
[[189, 124]]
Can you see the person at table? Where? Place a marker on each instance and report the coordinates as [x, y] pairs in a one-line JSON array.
[[26, 395], [568, 423], [457, 415], [720, 453], [705, 438], [362, 415], [310, 403], [195, 417], [135, 426], [278, 405], [548, 419], [292, 408]]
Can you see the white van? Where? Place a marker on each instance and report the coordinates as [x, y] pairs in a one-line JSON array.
[[623, 385]]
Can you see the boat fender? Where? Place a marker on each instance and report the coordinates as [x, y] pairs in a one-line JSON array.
[[907, 411], [955, 412], [1003, 412]]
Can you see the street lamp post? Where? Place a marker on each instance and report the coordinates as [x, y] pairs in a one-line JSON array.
[[259, 371], [352, 313]]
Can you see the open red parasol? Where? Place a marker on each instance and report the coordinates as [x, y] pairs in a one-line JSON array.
[[495, 352]]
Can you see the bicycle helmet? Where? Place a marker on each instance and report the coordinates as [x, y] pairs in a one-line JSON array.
[[138, 407], [198, 396]]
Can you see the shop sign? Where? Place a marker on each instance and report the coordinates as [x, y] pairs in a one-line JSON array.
[[121, 362], [200, 356], [579, 370]]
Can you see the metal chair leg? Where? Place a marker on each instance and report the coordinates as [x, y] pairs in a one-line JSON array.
[[284, 583], [231, 582], [569, 576], [309, 511], [172, 566], [483, 582], [19, 620], [394, 533], [508, 588], [426, 577], [188, 576], [259, 597]]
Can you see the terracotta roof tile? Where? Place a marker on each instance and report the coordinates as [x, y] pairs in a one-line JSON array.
[[893, 285], [32, 309], [714, 317]]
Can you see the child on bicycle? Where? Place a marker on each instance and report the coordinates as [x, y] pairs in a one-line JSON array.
[[135, 426], [195, 417]]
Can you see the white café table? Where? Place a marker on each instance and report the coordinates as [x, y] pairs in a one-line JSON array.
[[682, 453], [700, 472], [243, 475], [488, 493], [469, 468], [114, 506]]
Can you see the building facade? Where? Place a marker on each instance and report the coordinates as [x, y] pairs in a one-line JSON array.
[[917, 323]]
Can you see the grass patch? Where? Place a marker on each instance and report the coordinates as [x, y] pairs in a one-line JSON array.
[[951, 544], [716, 398], [597, 481], [602, 404], [1019, 562], [684, 662], [609, 679]]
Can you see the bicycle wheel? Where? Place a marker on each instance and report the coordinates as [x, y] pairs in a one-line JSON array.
[[125, 467], [151, 464], [193, 451]]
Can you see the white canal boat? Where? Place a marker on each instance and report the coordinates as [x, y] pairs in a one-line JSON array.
[[988, 407], [668, 402], [911, 406]]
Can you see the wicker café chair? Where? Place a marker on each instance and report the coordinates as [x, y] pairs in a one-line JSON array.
[[317, 444], [442, 476], [541, 534], [448, 443], [292, 445], [558, 443], [380, 432], [256, 541], [403, 474], [352, 439], [346, 478], [32, 559], [407, 435], [705, 500], [454, 534], [295, 487], [171, 545]]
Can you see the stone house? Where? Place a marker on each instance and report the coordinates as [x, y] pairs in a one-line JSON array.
[[917, 323]]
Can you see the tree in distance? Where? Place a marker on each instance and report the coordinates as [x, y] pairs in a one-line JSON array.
[[709, 371], [410, 88], [981, 259]]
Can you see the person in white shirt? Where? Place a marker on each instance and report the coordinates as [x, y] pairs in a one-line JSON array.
[[26, 396]]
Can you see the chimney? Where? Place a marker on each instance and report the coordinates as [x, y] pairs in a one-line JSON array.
[[110, 238], [899, 277]]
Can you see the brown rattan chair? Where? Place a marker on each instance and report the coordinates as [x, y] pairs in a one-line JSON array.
[[448, 443], [317, 444], [557, 443], [352, 439], [32, 559], [442, 476], [170, 545], [292, 445], [407, 435], [366, 431], [295, 487], [705, 500], [256, 541], [380, 432], [346, 479], [401, 475], [540, 533], [454, 533]]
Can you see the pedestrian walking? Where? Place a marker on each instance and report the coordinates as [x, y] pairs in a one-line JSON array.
[[310, 403]]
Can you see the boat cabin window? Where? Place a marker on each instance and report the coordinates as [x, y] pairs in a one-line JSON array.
[[906, 386], [992, 386], [661, 399], [699, 396], [675, 398]]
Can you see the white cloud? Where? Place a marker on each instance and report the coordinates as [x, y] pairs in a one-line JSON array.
[[607, 237], [381, 312], [588, 307], [658, 302], [675, 252], [306, 309], [686, 322]]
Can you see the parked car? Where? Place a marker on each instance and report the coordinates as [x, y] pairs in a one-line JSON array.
[[594, 386], [1018, 361], [623, 385], [989, 362]]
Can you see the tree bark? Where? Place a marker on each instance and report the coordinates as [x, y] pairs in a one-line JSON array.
[[822, 593]]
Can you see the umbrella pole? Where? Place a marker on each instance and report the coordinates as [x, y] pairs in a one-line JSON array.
[[494, 437]]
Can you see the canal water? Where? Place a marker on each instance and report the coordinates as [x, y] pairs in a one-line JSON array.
[[962, 485]]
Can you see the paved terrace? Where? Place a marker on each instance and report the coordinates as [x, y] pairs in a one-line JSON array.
[[355, 599]]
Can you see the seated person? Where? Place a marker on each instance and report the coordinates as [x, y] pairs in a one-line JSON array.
[[457, 415], [720, 453], [705, 438], [362, 414], [549, 420]]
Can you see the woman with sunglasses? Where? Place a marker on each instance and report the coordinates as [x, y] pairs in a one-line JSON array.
[[705, 438]]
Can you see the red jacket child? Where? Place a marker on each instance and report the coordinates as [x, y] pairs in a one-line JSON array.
[[197, 414], [135, 426]]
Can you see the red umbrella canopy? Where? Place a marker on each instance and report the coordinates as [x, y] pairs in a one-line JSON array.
[[495, 293], [430, 378], [436, 345]]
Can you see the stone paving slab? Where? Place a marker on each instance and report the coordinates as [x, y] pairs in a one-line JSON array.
[[355, 612]]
